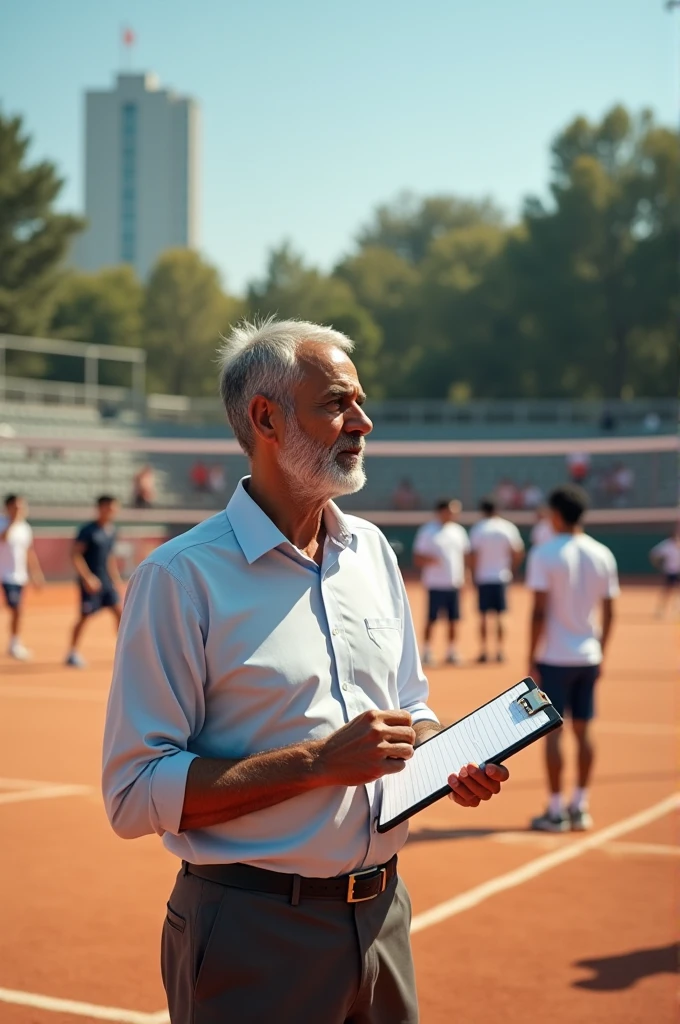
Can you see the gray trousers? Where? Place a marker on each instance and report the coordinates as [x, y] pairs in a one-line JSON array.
[[231, 956]]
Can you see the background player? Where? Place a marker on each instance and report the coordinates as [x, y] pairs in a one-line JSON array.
[[542, 529], [440, 550], [497, 551], [18, 564], [98, 575], [666, 557], [571, 575]]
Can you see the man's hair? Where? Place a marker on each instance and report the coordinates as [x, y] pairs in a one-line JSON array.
[[487, 506], [106, 499], [260, 358], [11, 498], [448, 503], [570, 501]]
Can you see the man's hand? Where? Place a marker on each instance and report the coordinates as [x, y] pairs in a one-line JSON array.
[[472, 785], [92, 584], [375, 743]]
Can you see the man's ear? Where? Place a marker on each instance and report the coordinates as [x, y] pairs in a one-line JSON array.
[[265, 416]]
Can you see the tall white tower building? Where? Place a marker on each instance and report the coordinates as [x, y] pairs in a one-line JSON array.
[[141, 174]]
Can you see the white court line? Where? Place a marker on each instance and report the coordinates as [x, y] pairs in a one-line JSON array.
[[110, 1013], [551, 842], [45, 793], [53, 692], [473, 897], [25, 783]]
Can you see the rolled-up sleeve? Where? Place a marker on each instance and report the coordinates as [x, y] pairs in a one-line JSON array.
[[413, 686], [155, 706]]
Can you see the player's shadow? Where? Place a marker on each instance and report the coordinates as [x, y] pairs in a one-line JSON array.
[[428, 835], [613, 973]]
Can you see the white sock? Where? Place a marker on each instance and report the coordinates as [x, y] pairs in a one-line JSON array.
[[579, 801], [427, 651], [452, 651], [555, 805]]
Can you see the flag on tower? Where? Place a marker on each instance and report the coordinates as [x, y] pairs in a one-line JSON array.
[[128, 37]]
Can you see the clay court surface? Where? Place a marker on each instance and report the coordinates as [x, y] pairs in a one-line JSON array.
[[583, 932]]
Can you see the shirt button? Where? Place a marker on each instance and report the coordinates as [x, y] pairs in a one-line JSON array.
[[345, 686], [336, 631]]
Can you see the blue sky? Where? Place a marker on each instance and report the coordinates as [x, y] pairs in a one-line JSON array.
[[314, 112]]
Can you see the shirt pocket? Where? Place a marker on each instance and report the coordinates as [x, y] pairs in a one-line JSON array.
[[385, 633]]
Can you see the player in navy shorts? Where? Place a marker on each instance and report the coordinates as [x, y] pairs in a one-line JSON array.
[[98, 576]]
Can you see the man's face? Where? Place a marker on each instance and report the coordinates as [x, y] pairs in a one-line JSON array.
[[446, 515], [108, 511], [17, 509], [324, 441]]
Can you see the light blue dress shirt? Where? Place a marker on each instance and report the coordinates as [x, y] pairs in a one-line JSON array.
[[234, 642]]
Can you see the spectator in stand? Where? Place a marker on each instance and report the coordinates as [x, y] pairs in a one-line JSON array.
[[666, 557], [507, 494], [532, 495], [578, 467], [440, 551], [199, 476], [542, 529], [144, 488], [497, 551], [217, 478], [622, 483], [405, 497], [651, 423]]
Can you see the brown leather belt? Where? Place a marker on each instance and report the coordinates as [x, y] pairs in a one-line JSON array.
[[354, 888]]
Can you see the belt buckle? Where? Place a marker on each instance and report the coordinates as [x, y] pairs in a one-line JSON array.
[[351, 882]]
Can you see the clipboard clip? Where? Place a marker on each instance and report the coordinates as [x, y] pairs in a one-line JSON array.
[[533, 701]]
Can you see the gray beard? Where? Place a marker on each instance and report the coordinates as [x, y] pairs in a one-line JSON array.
[[313, 470]]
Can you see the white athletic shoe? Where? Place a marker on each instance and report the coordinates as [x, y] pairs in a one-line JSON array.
[[18, 651], [580, 819]]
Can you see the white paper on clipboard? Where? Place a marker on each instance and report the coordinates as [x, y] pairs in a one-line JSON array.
[[480, 737]]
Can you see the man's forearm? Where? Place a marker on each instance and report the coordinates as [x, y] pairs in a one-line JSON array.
[[81, 566], [220, 790], [607, 623]]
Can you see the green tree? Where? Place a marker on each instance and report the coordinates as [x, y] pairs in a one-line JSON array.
[[33, 238], [100, 309], [409, 225], [292, 289], [185, 310], [598, 272]]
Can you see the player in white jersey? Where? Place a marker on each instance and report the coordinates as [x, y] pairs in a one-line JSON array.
[[542, 529], [497, 551], [666, 557], [18, 564], [574, 578], [440, 551]]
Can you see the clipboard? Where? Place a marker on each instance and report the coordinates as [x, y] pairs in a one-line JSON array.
[[491, 734]]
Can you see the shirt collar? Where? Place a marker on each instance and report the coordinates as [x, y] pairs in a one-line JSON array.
[[257, 534]]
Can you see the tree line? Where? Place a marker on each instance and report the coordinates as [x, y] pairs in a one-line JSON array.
[[445, 298]]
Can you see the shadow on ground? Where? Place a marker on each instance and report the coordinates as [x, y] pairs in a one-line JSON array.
[[613, 973]]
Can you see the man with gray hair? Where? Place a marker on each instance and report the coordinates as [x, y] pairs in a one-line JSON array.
[[266, 678]]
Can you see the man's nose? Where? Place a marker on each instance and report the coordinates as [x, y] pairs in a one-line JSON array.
[[356, 421]]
